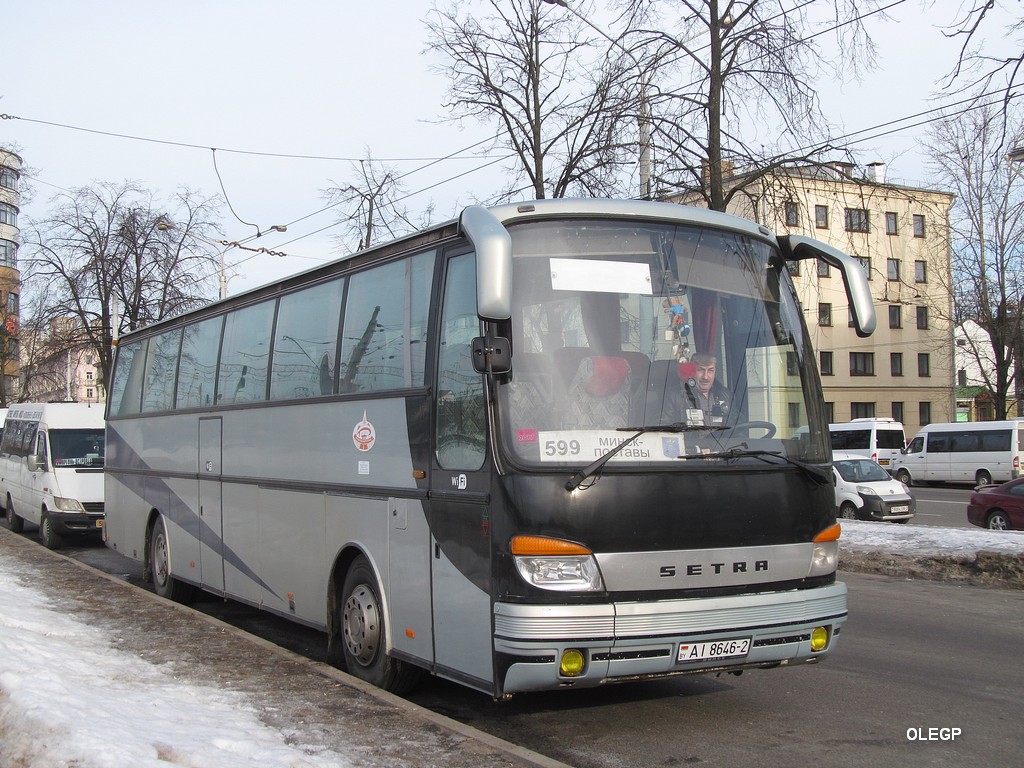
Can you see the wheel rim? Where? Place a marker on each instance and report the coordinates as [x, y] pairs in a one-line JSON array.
[[984, 478], [997, 523], [848, 512], [361, 620], [45, 530], [160, 558]]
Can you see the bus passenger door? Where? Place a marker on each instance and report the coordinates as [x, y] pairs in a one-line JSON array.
[[211, 524], [460, 491]]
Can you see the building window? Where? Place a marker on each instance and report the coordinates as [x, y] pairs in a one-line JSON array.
[[824, 313], [920, 272], [825, 363], [8, 215], [12, 303], [862, 410], [891, 224], [924, 364], [856, 220], [88, 376], [824, 269], [8, 254], [892, 268], [792, 214], [922, 318], [961, 378], [794, 414], [793, 267], [866, 263], [895, 316], [918, 225], [821, 216], [830, 412], [88, 394], [9, 178], [897, 411], [924, 412], [862, 363], [896, 363]]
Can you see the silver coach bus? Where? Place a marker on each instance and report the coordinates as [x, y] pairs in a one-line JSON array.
[[480, 450]]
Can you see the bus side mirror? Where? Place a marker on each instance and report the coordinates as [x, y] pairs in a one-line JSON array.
[[36, 463], [492, 354]]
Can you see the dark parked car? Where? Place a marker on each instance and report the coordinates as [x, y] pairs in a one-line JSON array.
[[999, 507]]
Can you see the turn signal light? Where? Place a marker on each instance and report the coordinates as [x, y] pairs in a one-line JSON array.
[[832, 533], [542, 545]]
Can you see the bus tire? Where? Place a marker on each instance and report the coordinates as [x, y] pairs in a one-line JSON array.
[[164, 584], [983, 477], [14, 521], [364, 635], [47, 535]]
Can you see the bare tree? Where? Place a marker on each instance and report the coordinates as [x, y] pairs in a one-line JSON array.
[[731, 85], [968, 156], [994, 61], [112, 259], [559, 103], [371, 204]]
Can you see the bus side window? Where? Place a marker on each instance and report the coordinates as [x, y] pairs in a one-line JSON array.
[[461, 419]]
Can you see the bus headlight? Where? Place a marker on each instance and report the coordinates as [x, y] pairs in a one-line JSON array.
[[67, 505], [556, 564], [825, 553]]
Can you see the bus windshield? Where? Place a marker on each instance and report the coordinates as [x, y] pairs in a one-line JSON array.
[[690, 333]]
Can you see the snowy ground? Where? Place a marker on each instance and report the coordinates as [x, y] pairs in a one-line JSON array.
[[57, 673]]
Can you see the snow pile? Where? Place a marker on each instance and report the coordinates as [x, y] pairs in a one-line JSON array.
[[68, 697], [927, 540]]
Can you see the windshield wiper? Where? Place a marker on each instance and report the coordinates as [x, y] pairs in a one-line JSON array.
[[577, 480], [819, 476]]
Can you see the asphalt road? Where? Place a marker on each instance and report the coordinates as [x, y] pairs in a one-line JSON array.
[[925, 674], [944, 506]]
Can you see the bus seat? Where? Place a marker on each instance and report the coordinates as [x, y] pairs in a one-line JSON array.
[[598, 397], [531, 394]]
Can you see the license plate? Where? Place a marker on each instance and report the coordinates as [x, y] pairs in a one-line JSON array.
[[898, 510], [883, 462], [718, 649]]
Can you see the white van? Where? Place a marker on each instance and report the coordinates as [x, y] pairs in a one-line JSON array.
[[880, 440], [51, 469], [978, 452], [865, 491]]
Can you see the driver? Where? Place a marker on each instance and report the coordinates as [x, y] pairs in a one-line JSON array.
[[699, 399]]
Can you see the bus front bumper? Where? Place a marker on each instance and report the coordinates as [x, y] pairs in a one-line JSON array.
[[627, 641]]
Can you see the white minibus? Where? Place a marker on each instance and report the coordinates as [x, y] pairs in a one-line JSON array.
[[880, 440], [978, 452], [51, 469]]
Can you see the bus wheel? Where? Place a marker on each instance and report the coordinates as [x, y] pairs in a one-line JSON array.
[[164, 584], [904, 477], [998, 521], [848, 511], [984, 477], [47, 535], [364, 636], [16, 523]]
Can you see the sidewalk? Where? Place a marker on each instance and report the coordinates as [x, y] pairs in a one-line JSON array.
[[96, 673]]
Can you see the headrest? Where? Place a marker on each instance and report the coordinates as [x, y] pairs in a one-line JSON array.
[[687, 370], [608, 376]]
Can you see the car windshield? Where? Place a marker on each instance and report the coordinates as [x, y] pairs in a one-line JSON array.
[[620, 325], [77, 447], [861, 471]]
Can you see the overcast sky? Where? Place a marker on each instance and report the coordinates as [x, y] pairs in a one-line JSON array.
[[324, 78]]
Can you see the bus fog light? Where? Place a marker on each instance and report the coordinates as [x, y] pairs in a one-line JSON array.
[[819, 639], [572, 664], [566, 573]]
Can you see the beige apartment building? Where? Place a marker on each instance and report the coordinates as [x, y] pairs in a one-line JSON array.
[[900, 234], [10, 277]]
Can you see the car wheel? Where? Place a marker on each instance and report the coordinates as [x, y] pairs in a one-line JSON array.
[[164, 584], [47, 535], [984, 477], [998, 521], [848, 511], [14, 522], [904, 477], [364, 633]]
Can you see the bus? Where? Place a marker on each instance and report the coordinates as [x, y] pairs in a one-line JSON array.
[[975, 452], [880, 440], [452, 452]]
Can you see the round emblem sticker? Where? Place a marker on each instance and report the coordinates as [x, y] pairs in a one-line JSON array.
[[363, 435]]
